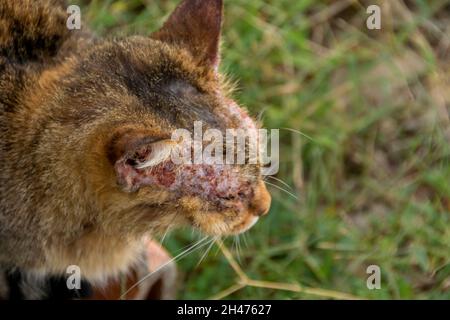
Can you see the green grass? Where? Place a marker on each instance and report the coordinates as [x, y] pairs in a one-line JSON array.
[[373, 180]]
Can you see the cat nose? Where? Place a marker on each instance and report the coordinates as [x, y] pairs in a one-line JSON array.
[[260, 204]]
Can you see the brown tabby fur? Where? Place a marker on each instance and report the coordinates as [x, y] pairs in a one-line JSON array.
[[70, 106]]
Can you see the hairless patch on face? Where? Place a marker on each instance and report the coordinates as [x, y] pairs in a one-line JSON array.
[[222, 185], [239, 115]]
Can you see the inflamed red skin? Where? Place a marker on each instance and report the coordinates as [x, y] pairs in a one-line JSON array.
[[220, 184]]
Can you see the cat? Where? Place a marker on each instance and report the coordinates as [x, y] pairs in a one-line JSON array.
[[79, 113]]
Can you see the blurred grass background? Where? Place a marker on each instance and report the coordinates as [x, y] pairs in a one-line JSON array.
[[370, 170]]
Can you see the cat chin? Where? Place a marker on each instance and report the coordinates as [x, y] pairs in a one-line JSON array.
[[217, 224], [251, 224]]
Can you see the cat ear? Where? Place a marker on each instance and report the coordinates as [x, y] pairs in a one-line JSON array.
[[196, 25]]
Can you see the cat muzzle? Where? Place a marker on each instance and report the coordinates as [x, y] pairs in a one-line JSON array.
[[260, 204]]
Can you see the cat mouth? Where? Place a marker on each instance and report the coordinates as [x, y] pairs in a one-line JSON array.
[[216, 224], [230, 221], [245, 226]]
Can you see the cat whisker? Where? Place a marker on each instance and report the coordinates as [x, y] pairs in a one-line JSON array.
[[284, 190], [190, 249], [244, 236], [212, 241], [234, 246], [168, 229], [260, 116], [164, 235], [281, 181], [298, 132], [238, 247], [276, 186]]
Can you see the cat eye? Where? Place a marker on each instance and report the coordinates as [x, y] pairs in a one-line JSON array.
[[182, 88], [153, 154]]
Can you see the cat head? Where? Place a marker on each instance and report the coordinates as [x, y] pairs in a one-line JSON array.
[[144, 88]]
